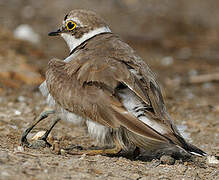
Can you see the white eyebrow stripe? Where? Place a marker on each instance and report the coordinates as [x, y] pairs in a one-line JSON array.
[[75, 19]]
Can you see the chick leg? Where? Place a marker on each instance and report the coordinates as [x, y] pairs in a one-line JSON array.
[[42, 141], [108, 151], [42, 116]]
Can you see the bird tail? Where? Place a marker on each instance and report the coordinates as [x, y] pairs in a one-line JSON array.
[[190, 148], [195, 150]]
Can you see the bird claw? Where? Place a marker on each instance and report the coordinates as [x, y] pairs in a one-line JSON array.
[[40, 143], [24, 142]]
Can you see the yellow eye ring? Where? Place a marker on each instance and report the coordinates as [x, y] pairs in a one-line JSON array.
[[70, 25]]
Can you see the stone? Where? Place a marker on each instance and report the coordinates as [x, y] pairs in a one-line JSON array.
[[165, 159]]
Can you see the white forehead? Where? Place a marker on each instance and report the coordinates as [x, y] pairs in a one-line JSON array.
[[75, 19]]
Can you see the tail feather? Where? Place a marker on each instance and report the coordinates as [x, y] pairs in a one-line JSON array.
[[195, 150], [190, 148]]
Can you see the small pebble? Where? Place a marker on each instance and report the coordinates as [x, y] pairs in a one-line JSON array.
[[98, 156], [167, 61], [167, 160], [14, 127], [4, 173], [21, 98], [26, 32], [212, 160], [19, 149], [17, 112], [83, 156], [63, 152]]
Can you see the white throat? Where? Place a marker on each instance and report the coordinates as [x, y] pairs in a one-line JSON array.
[[73, 42]]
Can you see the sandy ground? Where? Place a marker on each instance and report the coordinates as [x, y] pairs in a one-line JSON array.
[[176, 52], [193, 107]]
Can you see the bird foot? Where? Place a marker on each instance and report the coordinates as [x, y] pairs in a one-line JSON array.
[[39, 143], [92, 152]]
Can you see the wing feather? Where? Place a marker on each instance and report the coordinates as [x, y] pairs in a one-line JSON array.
[[100, 104], [110, 73]]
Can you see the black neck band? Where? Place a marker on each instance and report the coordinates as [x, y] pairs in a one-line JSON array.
[[73, 50]]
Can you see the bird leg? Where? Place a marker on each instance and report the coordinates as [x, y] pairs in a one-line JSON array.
[[42, 116], [108, 151], [42, 141]]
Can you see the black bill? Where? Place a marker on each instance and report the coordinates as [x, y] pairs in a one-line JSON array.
[[55, 33]]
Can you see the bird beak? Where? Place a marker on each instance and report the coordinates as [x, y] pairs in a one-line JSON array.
[[55, 33]]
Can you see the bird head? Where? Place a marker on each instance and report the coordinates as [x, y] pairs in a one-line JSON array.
[[80, 25]]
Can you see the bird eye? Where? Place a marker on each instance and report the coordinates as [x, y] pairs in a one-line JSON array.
[[70, 25]]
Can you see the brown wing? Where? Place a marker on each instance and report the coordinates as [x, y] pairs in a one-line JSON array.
[[117, 67], [87, 89]]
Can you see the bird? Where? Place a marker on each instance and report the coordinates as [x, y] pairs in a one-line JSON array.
[[106, 86]]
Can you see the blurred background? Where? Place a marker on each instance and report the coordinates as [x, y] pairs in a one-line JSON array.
[[162, 31], [178, 39]]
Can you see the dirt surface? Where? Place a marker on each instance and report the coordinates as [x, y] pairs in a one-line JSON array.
[[177, 45]]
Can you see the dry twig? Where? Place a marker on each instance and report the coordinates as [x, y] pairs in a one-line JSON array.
[[203, 78]]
